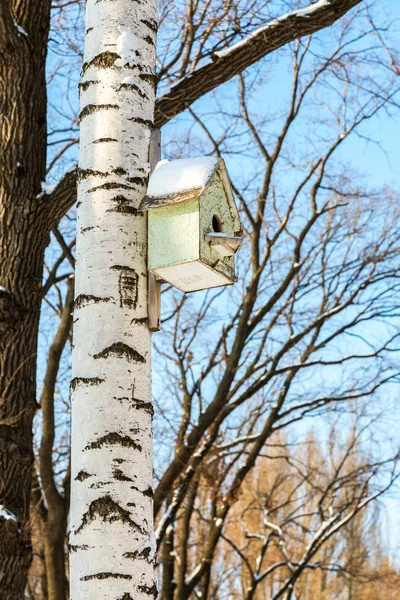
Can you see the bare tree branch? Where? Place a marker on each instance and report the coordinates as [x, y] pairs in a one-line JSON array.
[[234, 60]]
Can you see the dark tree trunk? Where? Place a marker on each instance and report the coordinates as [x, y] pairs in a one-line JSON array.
[[57, 585], [23, 238], [168, 580]]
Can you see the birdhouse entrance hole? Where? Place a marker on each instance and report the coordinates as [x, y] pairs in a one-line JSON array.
[[216, 223]]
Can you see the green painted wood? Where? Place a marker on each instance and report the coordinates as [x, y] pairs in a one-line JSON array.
[[173, 234], [215, 202], [178, 251]]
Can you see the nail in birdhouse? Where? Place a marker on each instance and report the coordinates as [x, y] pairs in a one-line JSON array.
[[193, 224]]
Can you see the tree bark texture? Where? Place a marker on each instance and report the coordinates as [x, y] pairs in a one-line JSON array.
[[54, 543], [112, 541], [24, 235], [54, 508]]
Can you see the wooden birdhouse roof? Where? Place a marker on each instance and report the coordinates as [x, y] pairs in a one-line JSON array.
[[176, 181]]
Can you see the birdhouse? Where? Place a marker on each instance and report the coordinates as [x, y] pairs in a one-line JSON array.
[[193, 224]]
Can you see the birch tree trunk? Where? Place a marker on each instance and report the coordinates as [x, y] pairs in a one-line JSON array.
[[112, 540]]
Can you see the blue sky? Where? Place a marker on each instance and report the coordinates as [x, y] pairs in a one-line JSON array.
[[375, 153]]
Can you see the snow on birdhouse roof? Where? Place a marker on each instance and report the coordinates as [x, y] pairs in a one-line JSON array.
[[179, 180], [178, 176], [186, 178]]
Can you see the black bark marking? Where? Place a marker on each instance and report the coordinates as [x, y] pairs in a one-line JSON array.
[[86, 173], [85, 381], [106, 139], [140, 404], [104, 60], [99, 484], [139, 321], [120, 171], [132, 87], [128, 286], [113, 439], [119, 461], [106, 576], [150, 591], [121, 399], [135, 429], [145, 554], [126, 596], [151, 24], [92, 108], [86, 84], [85, 229], [121, 350], [130, 64], [110, 512], [146, 406], [141, 121], [73, 548], [85, 300], [147, 492], [82, 475], [123, 205], [120, 476], [138, 180], [149, 77], [111, 185], [149, 40]]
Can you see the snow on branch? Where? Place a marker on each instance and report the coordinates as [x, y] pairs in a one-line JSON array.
[[6, 514], [308, 11], [238, 57], [20, 29]]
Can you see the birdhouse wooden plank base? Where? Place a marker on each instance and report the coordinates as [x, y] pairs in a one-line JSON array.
[[193, 224], [192, 276]]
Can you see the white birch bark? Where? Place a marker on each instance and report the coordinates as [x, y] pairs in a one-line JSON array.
[[111, 528]]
